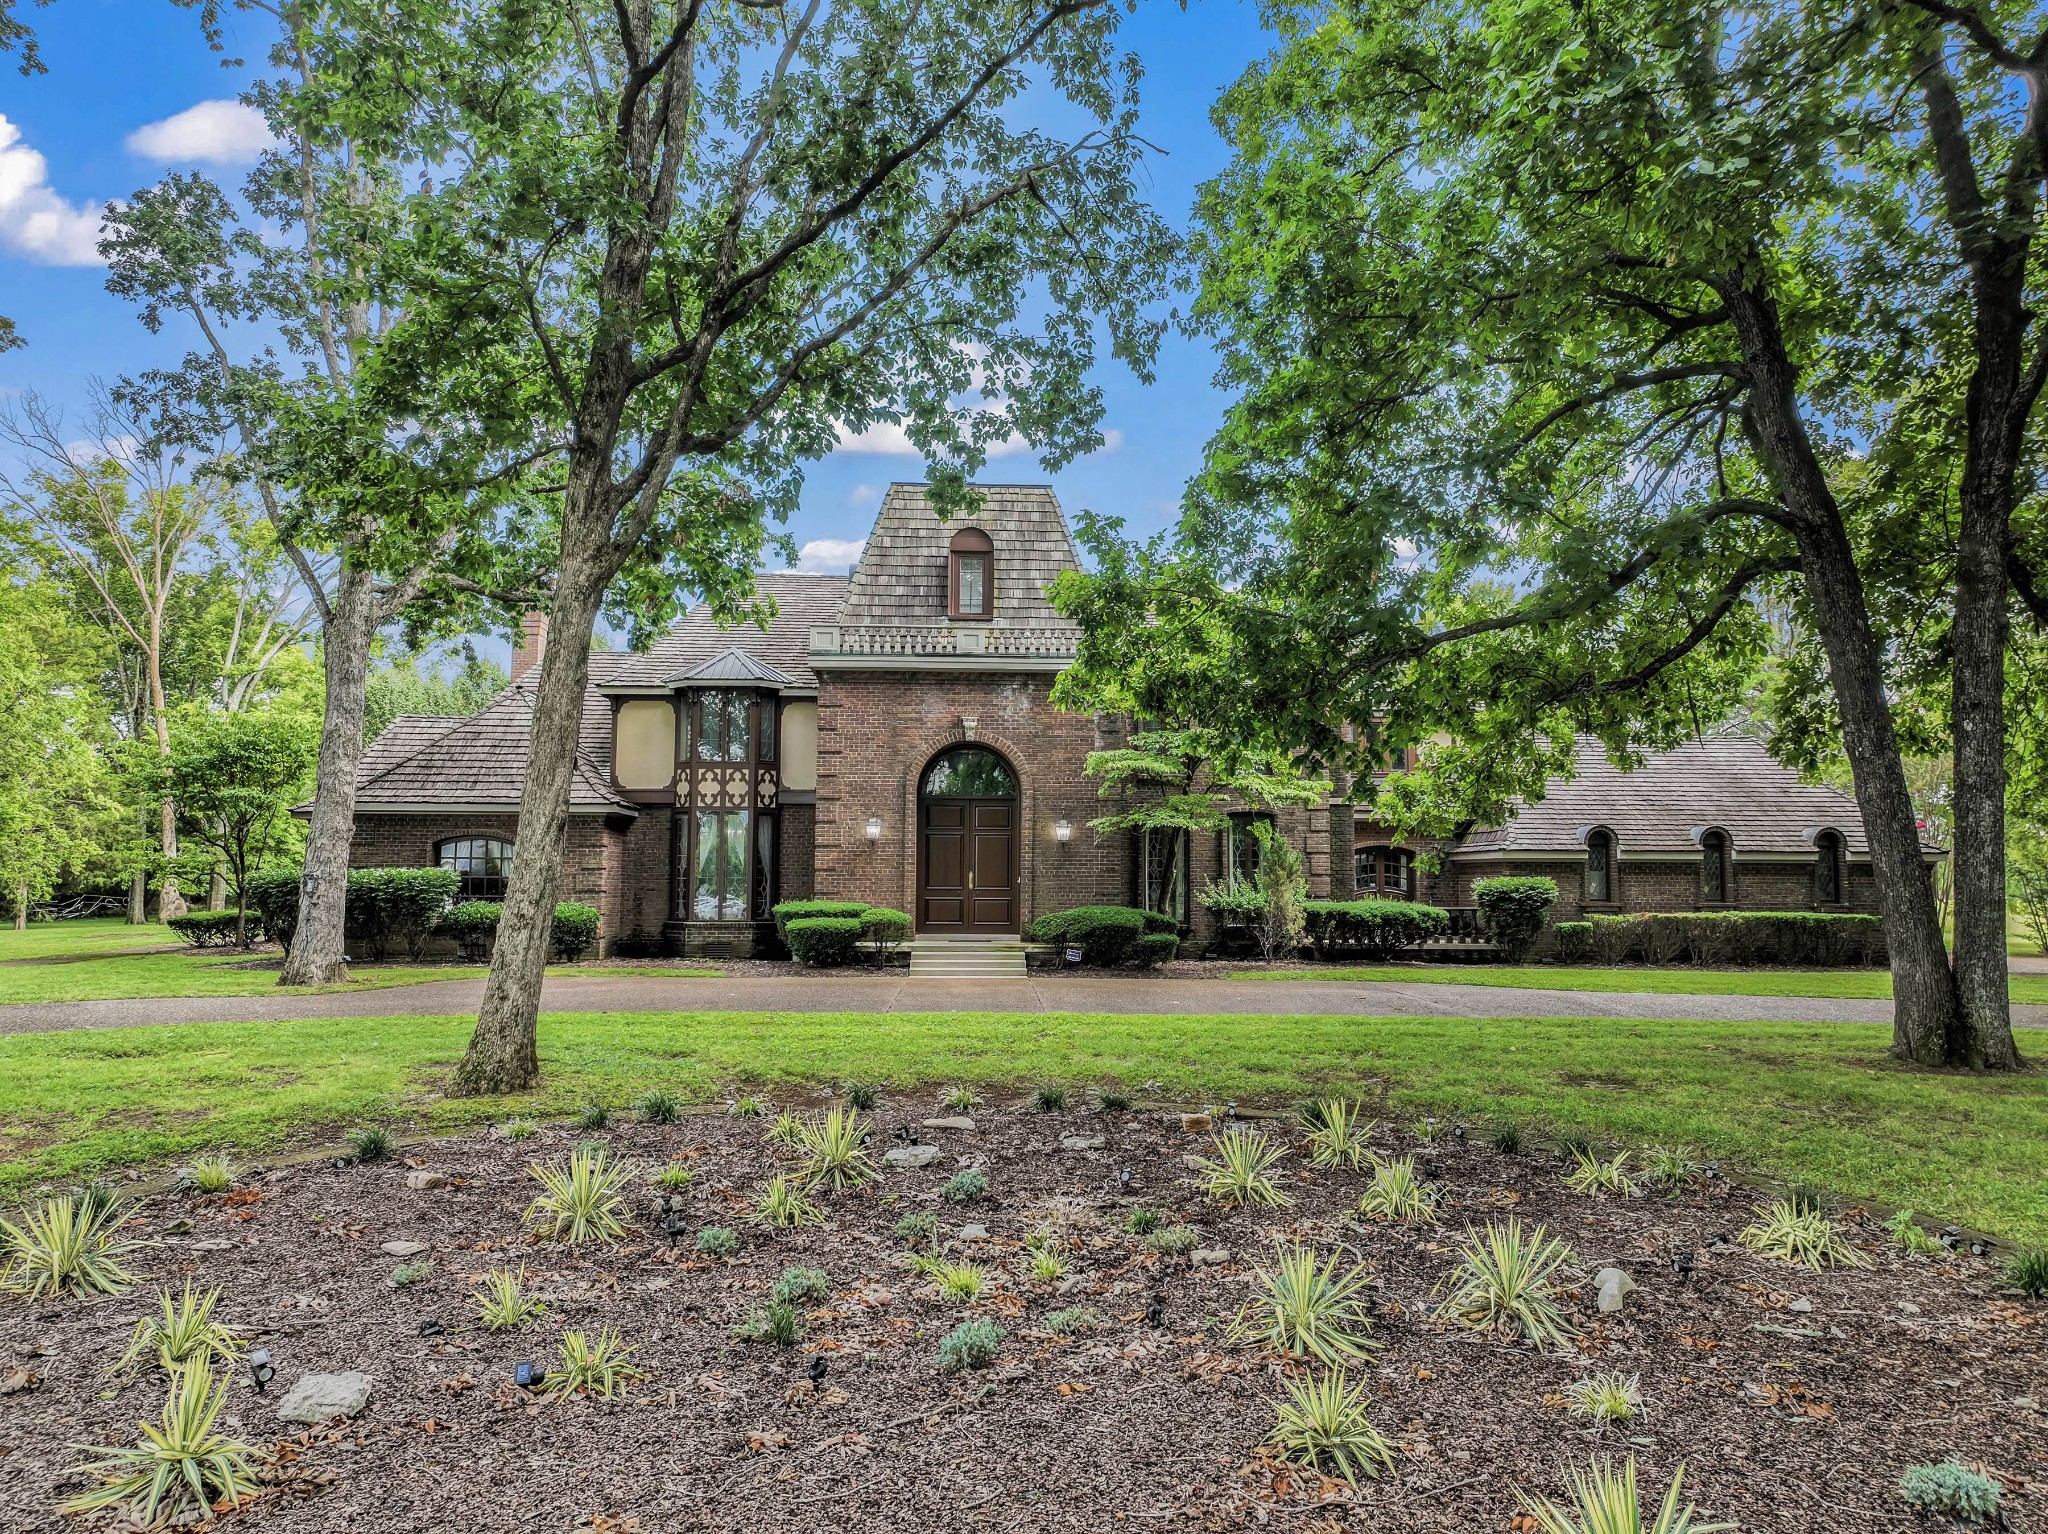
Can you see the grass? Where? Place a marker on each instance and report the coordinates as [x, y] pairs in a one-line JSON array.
[[1817, 1102], [91, 935], [1836, 984]]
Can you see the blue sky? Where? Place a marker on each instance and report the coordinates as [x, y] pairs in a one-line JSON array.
[[126, 100]]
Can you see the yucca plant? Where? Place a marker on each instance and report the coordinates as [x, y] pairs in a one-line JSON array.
[[787, 1131], [1909, 1236], [656, 1106], [1606, 1399], [1397, 1192], [2028, 1273], [213, 1172], [1241, 1174], [958, 1280], [747, 1108], [1308, 1309], [1504, 1282], [372, 1142], [65, 1244], [1792, 1233], [592, 1367], [782, 1205], [505, 1302], [1589, 1174], [581, 1199], [1322, 1424], [1668, 1168], [182, 1470], [1604, 1501], [183, 1334], [834, 1151], [1341, 1135]]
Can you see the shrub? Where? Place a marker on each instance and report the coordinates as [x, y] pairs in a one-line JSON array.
[[271, 896], [1105, 934], [1174, 1240], [801, 1286], [1155, 948], [800, 910], [883, 931], [182, 1469], [1235, 905], [1374, 930], [782, 1205], [834, 1151], [183, 1334], [1512, 911], [824, 942], [918, 1228], [1613, 938], [1322, 1424], [1283, 890], [1504, 1284], [206, 929], [1341, 1135], [397, 909], [1072, 1320], [1605, 1501], [1507, 1139], [746, 1107], [1305, 1309], [518, 1129], [777, 1323], [1605, 1399], [861, 1096], [1951, 1490], [65, 1244], [1589, 1174], [963, 1099], [372, 1142], [1793, 1232], [1669, 1167], [574, 930], [1142, 1222], [1113, 1102], [1574, 940], [965, 1186], [474, 926], [592, 1368], [717, 1241], [1240, 1174], [1397, 1193], [505, 1302], [581, 1199], [970, 1345], [2028, 1273]]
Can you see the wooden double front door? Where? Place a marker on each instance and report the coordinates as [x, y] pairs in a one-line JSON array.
[[967, 866]]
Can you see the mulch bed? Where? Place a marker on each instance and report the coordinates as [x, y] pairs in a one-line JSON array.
[[1785, 1418]]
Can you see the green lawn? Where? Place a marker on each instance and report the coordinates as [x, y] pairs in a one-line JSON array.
[[92, 935], [1850, 984], [1813, 1102]]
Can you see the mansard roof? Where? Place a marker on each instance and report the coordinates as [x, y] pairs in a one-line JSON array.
[[1729, 782], [697, 639]]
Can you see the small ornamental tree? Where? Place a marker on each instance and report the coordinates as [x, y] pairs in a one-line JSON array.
[[2027, 866], [235, 778], [1513, 911], [1283, 895]]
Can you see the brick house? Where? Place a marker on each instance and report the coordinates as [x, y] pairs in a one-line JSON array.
[[888, 737]]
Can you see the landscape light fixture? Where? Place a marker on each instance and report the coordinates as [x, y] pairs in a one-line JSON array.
[[524, 1375], [673, 1225], [261, 1370], [1062, 830], [874, 828]]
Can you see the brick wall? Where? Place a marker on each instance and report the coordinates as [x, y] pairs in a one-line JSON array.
[[1642, 885], [799, 852]]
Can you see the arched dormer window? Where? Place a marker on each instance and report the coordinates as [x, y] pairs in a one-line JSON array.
[[971, 575], [1600, 866], [1714, 881], [482, 864], [1827, 868]]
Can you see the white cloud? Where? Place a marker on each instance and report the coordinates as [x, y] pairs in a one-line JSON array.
[[212, 133], [34, 220], [1111, 441], [829, 556], [863, 495], [890, 439]]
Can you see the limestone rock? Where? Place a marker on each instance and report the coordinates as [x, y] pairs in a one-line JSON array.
[[1615, 1286], [962, 1122], [1209, 1256], [974, 1233], [1197, 1123], [1082, 1142], [323, 1397], [425, 1182], [1801, 1307], [912, 1156], [402, 1249]]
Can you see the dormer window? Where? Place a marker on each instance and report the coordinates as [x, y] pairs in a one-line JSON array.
[[971, 575]]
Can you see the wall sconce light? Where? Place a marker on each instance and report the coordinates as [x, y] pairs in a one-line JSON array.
[[1062, 830], [874, 828]]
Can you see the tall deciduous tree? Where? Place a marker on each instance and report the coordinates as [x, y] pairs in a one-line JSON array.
[[236, 777], [1556, 334], [680, 246]]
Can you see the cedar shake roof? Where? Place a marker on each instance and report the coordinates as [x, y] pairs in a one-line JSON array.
[[900, 581], [784, 647], [1731, 782]]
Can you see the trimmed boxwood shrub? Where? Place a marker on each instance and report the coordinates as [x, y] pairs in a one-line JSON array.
[[1373, 929], [474, 926], [397, 909], [797, 910], [574, 932], [1817, 938], [1574, 938], [883, 931], [272, 896], [1105, 934], [1512, 911], [823, 942], [1155, 948], [205, 929]]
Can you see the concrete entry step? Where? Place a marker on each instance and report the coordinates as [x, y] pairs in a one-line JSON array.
[[966, 959]]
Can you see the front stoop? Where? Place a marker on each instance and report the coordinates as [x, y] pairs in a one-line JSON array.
[[965, 958]]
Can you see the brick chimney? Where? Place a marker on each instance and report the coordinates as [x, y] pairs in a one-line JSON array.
[[531, 645]]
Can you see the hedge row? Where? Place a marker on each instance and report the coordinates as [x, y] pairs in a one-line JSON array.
[[210, 929], [1822, 938], [1109, 934], [826, 934], [474, 926], [390, 910], [1371, 929]]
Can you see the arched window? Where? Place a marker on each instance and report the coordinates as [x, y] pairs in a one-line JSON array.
[[1600, 866], [1827, 868], [1385, 871], [971, 575], [481, 863], [969, 772], [1714, 867]]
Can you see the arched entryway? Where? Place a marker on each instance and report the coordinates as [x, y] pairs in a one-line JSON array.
[[967, 844]]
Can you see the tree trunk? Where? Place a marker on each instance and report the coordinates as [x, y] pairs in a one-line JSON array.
[[217, 892], [1924, 1009], [504, 1053], [138, 898], [317, 955], [21, 909]]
